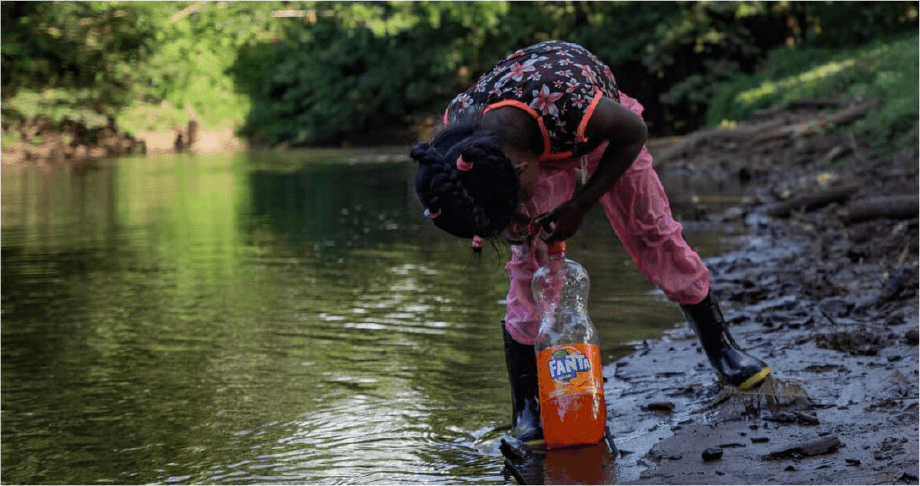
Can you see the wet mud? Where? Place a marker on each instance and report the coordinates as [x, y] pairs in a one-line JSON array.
[[828, 300]]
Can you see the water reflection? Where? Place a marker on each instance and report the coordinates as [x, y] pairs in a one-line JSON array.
[[259, 317]]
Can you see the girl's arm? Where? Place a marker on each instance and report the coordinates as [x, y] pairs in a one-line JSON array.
[[626, 133]]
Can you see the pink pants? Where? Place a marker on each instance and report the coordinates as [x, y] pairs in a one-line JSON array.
[[637, 208]]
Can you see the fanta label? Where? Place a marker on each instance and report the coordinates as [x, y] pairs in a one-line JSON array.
[[570, 369], [565, 365]]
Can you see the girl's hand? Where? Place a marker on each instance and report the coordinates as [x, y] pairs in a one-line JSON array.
[[561, 223]]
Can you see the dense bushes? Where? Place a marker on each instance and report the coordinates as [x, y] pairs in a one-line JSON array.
[[362, 67], [69, 61], [885, 69], [335, 71]]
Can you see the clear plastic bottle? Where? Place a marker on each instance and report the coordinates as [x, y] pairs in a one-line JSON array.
[[568, 355]]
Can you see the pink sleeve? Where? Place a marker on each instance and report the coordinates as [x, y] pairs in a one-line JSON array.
[[631, 103]]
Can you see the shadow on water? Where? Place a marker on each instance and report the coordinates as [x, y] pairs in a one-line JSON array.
[[261, 317]]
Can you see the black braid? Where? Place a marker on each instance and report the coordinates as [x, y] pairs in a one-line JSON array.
[[478, 201], [424, 153]]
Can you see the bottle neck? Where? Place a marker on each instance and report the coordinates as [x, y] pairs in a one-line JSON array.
[[556, 250]]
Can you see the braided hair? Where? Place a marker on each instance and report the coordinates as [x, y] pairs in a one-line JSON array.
[[468, 201]]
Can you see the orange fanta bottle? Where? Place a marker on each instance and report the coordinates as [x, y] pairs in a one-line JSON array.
[[568, 355]]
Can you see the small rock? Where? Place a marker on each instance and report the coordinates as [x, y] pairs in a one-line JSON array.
[[712, 454], [853, 462], [835, 307], [902, 280], [787, 417], [760, 440], [912, 336], [660, 406]]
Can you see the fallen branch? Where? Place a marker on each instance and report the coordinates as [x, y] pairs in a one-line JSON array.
[[805, 449], [813, 201], [817, 103], [805, 128], [834, 154], [799, 104], [690, 142], [894, 207]]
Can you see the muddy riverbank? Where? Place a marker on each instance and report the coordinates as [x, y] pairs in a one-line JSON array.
[[39, 142], [823, 289]]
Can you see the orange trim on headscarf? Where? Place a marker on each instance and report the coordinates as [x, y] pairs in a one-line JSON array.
[[580, 134], [524, 106]]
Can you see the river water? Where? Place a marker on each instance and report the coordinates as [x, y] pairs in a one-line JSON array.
[[265, 317]]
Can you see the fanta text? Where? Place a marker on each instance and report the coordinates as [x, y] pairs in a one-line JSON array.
[[564, 368]]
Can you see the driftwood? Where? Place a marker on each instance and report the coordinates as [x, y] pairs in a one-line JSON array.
[[894, 207], [740, 134], [813, 201], [816, 447], [834, 154], [807, 127], [817, 103], [763, 128], [799, 104]]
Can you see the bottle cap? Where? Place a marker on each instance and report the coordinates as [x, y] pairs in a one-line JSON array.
[[557, 247]]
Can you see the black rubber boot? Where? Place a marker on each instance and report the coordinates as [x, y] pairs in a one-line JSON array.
[[525, 390], [736, 367]]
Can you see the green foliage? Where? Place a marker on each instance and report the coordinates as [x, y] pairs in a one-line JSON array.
[[62, 107], [48, 45], [882, 69], [70, 62], [670, 56], [195, 45], [841, 24], [333, 71], [361, 67]]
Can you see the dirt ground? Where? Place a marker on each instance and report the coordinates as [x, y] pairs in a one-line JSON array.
[[76, 146], [822, 286]]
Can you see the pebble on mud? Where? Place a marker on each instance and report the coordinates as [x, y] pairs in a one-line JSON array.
[[912, 336], [660, 406], [712, 454], [788, 417]]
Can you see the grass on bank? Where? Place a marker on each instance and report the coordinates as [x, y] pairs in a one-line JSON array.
[[885, 69]]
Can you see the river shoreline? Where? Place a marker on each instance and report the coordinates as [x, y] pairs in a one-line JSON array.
[[831, 303]]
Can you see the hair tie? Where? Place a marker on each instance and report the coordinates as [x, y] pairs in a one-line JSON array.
[[477, 242], [462, 164], [428, 214]]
